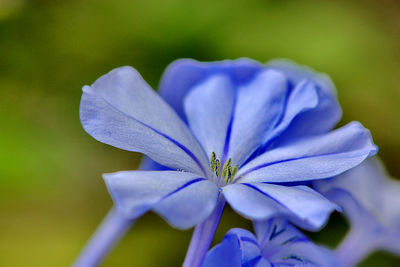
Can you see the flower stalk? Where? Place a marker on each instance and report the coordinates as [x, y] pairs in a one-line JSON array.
[[202, 237], [107, 235]]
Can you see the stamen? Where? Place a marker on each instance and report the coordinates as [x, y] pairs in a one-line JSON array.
[[225, 170], [213, 161], [218, 168], [233, 170], [229, 174]]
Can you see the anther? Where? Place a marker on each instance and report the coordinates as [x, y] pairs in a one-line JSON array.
[[225, 169], [234, 170], [228, 171], [213, 161], [229, 175], [218, 168]]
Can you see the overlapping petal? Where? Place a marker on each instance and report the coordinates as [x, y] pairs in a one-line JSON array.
[[259, 106], [121, 110], [297, 73], [209, 108], [302, 98], [183, 74], [183, 199], [311, 158], [260, 201], [327, 110]]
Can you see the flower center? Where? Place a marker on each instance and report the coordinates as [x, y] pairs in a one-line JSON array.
[[228, 171]]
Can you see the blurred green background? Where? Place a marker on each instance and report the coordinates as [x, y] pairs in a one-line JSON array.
[[52, 196]]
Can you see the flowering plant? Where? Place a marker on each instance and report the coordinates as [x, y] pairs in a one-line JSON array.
[[239, 132]]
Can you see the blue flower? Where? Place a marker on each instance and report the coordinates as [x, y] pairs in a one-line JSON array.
[[251, 134], [278, 243], [371, 202]]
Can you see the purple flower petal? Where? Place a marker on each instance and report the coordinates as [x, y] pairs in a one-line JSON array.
[[311, 158], [238, 248], [121, 110], [183, 74], [326, 112], [371, 202], [259, 201], [208, 108], [183, 199], [259, 106]]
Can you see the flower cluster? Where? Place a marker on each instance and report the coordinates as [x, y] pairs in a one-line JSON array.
[[259, 137]]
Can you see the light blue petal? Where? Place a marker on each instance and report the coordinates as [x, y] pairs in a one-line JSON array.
[[370, 186], [356, 190], [183, 199], [225, 254], [327, 112], [296, 73], [283, 244], [260, 201], [259, 106], [183, 74], [208, 108], [316, 157], [303, 98], [238, 248], [251, 254], [121, 110], [371, 201]]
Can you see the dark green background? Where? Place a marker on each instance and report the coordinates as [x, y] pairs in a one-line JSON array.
[[51, 193]]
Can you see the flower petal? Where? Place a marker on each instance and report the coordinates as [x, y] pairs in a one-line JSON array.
[[302, 98], [183, 199], [371, 188], [371, 202], [327, 111], [316, 157], [121, 110], [260, 201], [208, 108], [225, 254], [259, 106], [181, 75], [358, 189], [297, 73], [238, 248], [282, 243]]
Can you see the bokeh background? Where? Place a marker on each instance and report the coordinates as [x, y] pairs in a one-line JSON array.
[[52, 195]]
